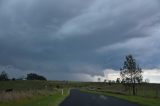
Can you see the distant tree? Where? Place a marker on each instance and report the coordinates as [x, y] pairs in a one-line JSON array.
[[113, 81], [4, 76], [13, 79], [109, 82], [147, 80], [33, 76], [99, 79], [123, 81], [131, 73], [118, 80]]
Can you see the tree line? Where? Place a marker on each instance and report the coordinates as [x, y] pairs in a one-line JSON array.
[[30, 76]]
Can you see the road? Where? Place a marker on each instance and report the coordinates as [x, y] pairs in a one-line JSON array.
[[78, 98]]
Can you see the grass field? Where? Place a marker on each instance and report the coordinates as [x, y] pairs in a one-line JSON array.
[[52, 99], [144, 90], [48, 93], [32, 85], [32, 93], [147, 94]]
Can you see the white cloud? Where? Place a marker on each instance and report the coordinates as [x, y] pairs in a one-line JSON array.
[[111, 74], [152, 74]]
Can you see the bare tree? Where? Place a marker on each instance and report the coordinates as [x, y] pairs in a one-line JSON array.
[[131, 73]]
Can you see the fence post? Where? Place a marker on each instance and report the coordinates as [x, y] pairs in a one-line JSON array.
[[62, 91]]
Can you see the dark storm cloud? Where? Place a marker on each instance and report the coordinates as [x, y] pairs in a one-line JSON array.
[[76, 36]]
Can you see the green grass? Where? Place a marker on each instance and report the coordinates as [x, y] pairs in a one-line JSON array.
[[143, 101], [28, 85], [53, 99], [33, 93], [145, 89], [146, 92]]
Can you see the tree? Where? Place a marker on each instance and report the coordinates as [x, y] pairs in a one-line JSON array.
[[146, 80], [33, 76], [131, 73], [13, 79], [118, 80], [4, 76], [99, 79]]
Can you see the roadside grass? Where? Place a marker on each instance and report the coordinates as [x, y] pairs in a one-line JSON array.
[[143, 101], [23, 85], [149, 90], [52, 99], [33, 93], [26, 85]]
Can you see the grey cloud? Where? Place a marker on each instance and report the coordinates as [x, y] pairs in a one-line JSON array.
[[59, 36]]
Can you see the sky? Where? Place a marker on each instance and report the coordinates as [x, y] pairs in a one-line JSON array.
[[79, 40]]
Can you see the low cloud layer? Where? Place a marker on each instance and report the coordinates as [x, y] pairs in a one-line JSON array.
[[151, 75], [66, 39]]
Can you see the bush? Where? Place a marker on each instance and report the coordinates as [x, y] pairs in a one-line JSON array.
[[33, 76]]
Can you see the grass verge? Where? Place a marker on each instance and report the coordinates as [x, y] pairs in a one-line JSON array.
[[143, 101], [52, 99]]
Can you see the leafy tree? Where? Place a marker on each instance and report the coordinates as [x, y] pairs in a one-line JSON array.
[[131, 73], [4, 76], [33, 76]]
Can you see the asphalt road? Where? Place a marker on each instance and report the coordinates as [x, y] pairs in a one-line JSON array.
[[78, 98]]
